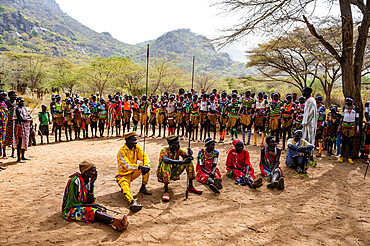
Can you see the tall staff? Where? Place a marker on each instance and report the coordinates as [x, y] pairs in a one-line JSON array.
[[146, 86], [192, 74], [190, 128]]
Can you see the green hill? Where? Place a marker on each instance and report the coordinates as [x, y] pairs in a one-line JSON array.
[[39, 26]]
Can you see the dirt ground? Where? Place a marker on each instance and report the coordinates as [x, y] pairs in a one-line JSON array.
[[330, 206]]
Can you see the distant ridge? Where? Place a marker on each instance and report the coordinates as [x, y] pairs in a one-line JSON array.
[[39, 26]]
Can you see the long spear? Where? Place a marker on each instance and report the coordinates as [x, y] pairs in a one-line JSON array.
[[146, 86]]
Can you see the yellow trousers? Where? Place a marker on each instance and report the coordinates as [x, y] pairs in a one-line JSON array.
[[125, 182]]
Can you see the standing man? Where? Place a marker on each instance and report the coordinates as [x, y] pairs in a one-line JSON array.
[[321, 117], [260, 118], [94, 104], [203, 109], [274, 116], [21, 132], [117, 105], [102, 109], [299, 111], [10, 104], [153, 115], [194, 116], [287, 116], [59, 119], [129, 169], [127, 106], [222, 114], [349, 128], [171, 115], [162, 116], [212, 115], [136, 113], [234, 109], [367, 131], [3, 119], [309, 121], [144, 105], [180, 115], [247, 115], [110, 114]]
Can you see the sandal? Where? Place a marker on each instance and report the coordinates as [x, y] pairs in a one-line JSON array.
[[166, 197], [120, 224]]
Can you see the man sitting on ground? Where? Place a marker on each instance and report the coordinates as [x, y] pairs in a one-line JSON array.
[[207, 171], [79, 200], [269, 164], [299, 152], [239, 167], [170, 167], [129, 169]]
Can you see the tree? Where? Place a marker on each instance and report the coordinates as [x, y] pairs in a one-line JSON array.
[[66, 74], [31, 68], [130, 76], [100, 73], [297, 59], [275, 14], [163, 75], [204, 82]]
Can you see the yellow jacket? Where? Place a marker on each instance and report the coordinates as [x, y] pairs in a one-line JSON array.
[[127, 160]]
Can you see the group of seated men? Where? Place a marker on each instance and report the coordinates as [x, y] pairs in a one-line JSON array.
[[79, 203]]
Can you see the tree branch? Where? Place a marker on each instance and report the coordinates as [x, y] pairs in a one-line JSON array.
[[327, 45], [359, 4]]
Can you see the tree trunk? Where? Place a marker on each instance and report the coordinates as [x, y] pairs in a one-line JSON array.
[[328, 96]]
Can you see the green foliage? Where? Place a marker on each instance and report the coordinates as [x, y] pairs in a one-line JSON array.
[[3, 9]]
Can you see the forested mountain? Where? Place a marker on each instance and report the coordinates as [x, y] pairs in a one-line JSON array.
[[39, 26]]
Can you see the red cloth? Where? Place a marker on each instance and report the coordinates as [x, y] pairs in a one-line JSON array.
[[238, 160], [207, 159]]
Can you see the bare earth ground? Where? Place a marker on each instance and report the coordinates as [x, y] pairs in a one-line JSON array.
[[330, 206]]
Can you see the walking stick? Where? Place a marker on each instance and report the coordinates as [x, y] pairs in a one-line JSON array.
[[366, 169], [146, 86]]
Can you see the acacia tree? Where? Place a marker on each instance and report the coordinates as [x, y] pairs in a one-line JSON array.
[[100, 73], [275, 14], [32, 68], [285, 60], [204, 82], [130, 76], [65, 74], [163, 75]]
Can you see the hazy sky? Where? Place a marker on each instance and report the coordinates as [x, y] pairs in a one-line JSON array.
[[137, 21]]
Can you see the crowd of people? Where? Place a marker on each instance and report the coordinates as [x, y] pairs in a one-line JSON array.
[[302, 123]]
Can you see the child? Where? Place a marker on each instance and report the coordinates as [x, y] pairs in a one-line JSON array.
[[44, 118], [207, 171], [269, 164]]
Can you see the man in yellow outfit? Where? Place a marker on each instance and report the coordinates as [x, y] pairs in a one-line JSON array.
[[129, 169]]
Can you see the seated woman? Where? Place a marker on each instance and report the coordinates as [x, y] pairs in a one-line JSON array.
[[238, 166], [299, 152], [269, 164], [207, 171], [79, 200]]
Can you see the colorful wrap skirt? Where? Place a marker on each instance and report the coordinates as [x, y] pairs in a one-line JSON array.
[[84, 214], [168, 172]]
